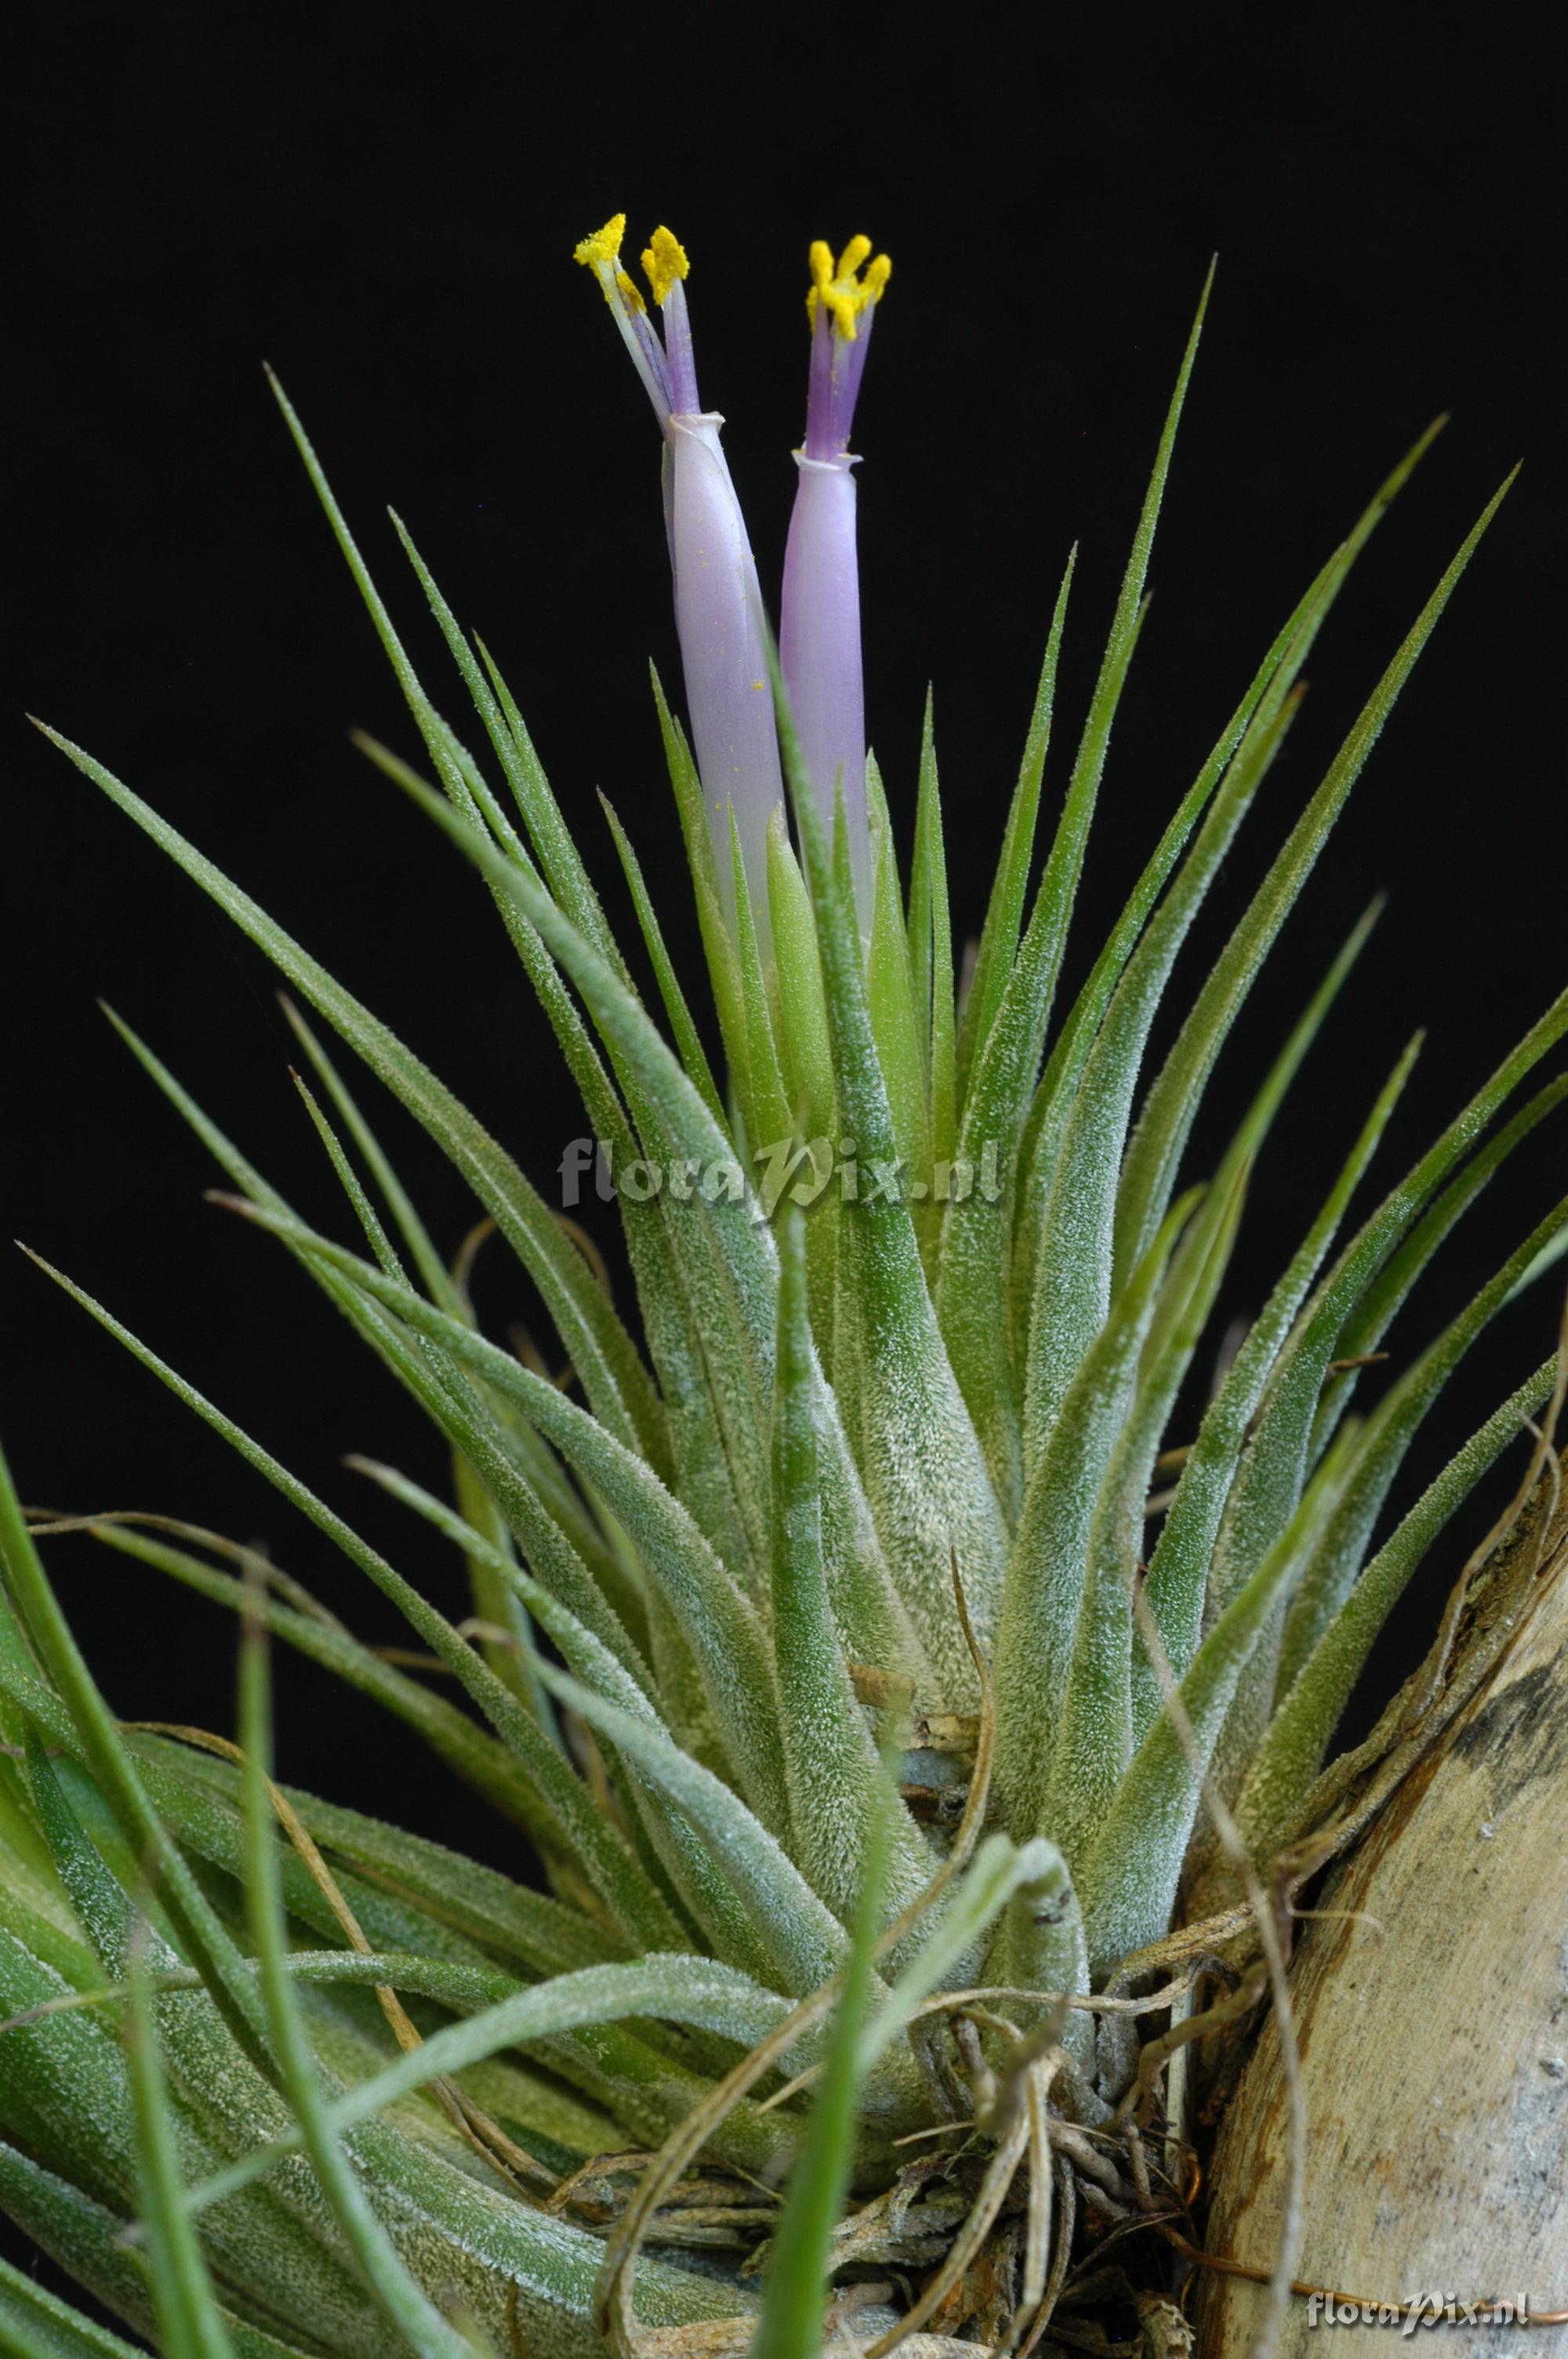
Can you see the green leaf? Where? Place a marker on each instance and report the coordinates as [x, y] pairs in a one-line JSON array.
[[626, 2073], [999, 1870], [1179, 1572], [205, 1938], [692, 1053], [972, 1294], [834, 1774], [1076, 1272], [1094, 1741], [890, 1002], [205, 2090], [1270, 1478], [1004, 910], [805, 1053], [552, 838], [677, 1989], [1034, 1649], [718, 943], [189, 2326], [432, 1269], [601, 1350], [931, 951], [720, 1626], [726, 1255], [581, 1829], [696, 1872], [1054, 1097], [1298, 1736], [791, 2326], [406, 2308], [1154, 1154], [1385, 1438], [37, 2325], [767, 1110], [469, 1750], [805, 1943], [926, 1477], [1126, 1881], [1385, 1296]]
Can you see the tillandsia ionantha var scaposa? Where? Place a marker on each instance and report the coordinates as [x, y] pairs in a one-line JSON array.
[[852, 1645]]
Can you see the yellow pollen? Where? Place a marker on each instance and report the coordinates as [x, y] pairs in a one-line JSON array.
[[665, 260], [845, 290], [604, 246], [632, 291]]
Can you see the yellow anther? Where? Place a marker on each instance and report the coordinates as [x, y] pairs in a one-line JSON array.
[[604, 246], [843, 290], [665, 260], [630, 291]]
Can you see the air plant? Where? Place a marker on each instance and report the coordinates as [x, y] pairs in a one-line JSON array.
[[856, 1644]]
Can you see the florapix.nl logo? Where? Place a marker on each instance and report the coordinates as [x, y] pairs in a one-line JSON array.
[[1423, 2310], [805, 1170]]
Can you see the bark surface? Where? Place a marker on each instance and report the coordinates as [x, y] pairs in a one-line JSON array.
[[1432, 2027]]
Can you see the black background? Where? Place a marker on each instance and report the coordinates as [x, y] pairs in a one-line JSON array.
[[383, 203]]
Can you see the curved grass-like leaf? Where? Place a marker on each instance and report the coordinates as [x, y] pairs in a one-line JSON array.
[[1008, 1038], [1272, 1470], [1298, 1736], [1385, 1438], [804, 1942], [188, 2323], [693, 1055], [1179, 1572], [407, 2307], [926, 1476], [206, 1940], [998, 946], [719, 948], [601, 1350], [792, 2325], [1053, 1098], [1166, 1119], [890, 998], [1093, 1738], [720, 1626], [677, 1989], [696, 1870], [1126, 1881], [1389, 1292], [37, 2325], [831, 1765], [1045, 1575], [579, 1829], [930, 931], [552, 838], [728, 1261], [1075, 1269]]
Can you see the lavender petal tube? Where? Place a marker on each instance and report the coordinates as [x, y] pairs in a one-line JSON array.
[[819, 634], [819, 648], [719, 617], [718, 609]]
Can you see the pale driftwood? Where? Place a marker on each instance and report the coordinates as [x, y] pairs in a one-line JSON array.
[[1433, 2030]]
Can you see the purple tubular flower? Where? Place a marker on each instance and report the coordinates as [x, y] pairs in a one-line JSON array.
[[719, 608], [819, 636]]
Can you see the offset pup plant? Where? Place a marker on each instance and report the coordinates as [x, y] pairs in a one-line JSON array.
[[914, 1732]]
